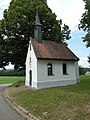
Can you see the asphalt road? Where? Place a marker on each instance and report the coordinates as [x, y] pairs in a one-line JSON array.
[[6, 112]]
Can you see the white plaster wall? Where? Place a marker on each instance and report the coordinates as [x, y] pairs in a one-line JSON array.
[[34, 68], [27, 68], [77, 72], [58, 74], [31, 66], [40, 78]]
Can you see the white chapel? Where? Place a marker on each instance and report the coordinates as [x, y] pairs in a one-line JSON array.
[[48, 63]]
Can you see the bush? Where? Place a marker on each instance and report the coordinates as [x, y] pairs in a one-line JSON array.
[[81, 70], [12, 73]]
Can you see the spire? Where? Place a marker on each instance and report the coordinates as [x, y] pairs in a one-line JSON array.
[[37, 19], [38, 31]]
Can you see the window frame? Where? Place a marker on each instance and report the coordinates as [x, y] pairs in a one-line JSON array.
[[50, 69], [64, 69]]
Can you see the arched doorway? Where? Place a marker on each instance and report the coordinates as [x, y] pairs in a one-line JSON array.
[[30, 82]]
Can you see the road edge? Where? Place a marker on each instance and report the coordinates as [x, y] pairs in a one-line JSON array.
[[24, 113]]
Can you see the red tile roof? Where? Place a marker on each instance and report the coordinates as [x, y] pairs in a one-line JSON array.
[[53, 50]]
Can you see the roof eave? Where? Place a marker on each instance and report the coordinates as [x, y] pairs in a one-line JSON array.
[[58, 59]]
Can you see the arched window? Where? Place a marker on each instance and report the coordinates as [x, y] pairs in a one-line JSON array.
[[64, 66], [50, 69]]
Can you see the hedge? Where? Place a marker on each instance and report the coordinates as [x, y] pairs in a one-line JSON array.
[[12, 73]]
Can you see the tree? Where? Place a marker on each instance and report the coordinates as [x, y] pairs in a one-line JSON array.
[[81, 70], [18, 25], [89, 58], [4, 56], [44, 1], [85, 23]]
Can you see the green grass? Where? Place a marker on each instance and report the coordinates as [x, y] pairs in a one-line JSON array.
[[60, 103], [10, 80]]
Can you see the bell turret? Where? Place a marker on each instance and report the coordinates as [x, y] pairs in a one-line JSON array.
[[38, 29]]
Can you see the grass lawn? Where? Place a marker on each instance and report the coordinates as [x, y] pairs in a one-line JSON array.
[[10, 79], [60, 103]]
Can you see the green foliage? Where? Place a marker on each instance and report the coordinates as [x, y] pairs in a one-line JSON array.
[[60, 103], [85, 22], [89, 58], [81, 70], [87, 39], [12, 73], [18, 25], [4, 56], [44, 1]]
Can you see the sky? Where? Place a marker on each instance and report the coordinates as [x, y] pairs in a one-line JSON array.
[[70, 12]]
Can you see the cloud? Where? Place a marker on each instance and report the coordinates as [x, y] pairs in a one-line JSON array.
[[77, 45], [84, 62], [70, 11], [3, 5]]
